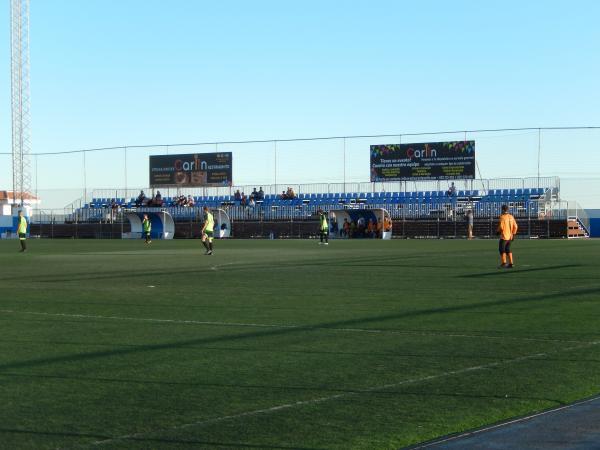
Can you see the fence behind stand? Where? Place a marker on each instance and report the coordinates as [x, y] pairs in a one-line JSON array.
[[536, 219]]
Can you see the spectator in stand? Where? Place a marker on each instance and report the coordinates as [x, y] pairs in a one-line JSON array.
[[451, 192], [261, 194], [254, 194], [291, 195], [158, 201], [190, 201], [244, 200], [141, 199], [237, 196], [283, 195], [252, 203], [114, 209]]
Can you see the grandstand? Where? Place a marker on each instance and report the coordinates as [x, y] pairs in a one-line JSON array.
[[419, 209]]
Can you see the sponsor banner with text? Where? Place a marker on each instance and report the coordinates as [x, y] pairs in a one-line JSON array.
[[424, 161], [191, 170]]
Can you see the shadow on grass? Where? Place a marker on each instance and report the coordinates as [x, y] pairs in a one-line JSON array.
[[258, 387], [54, 433], [423, 393], [205, 269], [518, 270], [69, 434], [77, 357], [210, 444]]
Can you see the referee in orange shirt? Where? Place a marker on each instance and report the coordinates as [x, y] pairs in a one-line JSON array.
[[507, 229]]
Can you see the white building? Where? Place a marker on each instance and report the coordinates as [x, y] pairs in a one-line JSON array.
[[10, 205]]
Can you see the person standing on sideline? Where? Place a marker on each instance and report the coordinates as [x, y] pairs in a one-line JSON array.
[[470, 224], [147, 226], [208, 231], [323, 228], [507, 229], [22, 231]]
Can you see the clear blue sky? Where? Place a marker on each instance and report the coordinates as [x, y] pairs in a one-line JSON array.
[[106, 73]]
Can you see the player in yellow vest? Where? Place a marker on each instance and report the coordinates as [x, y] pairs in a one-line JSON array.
[[507, 229], [208, 230], [323, 228], [22, 231], [147, 226]]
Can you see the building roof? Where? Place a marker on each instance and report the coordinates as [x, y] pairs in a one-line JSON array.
[[12, 197]]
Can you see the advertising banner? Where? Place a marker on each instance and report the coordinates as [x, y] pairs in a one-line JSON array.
[[191, 170], [423, 161]]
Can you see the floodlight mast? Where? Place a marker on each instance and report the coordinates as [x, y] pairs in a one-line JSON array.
[[20, 101]]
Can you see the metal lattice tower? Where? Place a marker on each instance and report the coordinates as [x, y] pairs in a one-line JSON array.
[[19, 59]]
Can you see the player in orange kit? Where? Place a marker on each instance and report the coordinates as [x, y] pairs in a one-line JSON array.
[[507, 229]]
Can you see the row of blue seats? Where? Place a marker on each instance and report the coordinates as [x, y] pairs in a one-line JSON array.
[[327, 201], [349, 195]]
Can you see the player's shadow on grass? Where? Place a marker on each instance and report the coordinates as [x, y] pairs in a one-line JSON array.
[[503, 271], [274, 332]]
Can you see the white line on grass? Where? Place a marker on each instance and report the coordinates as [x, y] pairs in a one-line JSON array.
[[289, 326], [218, 266], [317, 400]]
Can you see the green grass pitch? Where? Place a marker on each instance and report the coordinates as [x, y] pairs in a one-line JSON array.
[[287, 344]]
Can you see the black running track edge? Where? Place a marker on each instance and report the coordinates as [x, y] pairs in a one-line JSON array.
[[455, 438]]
